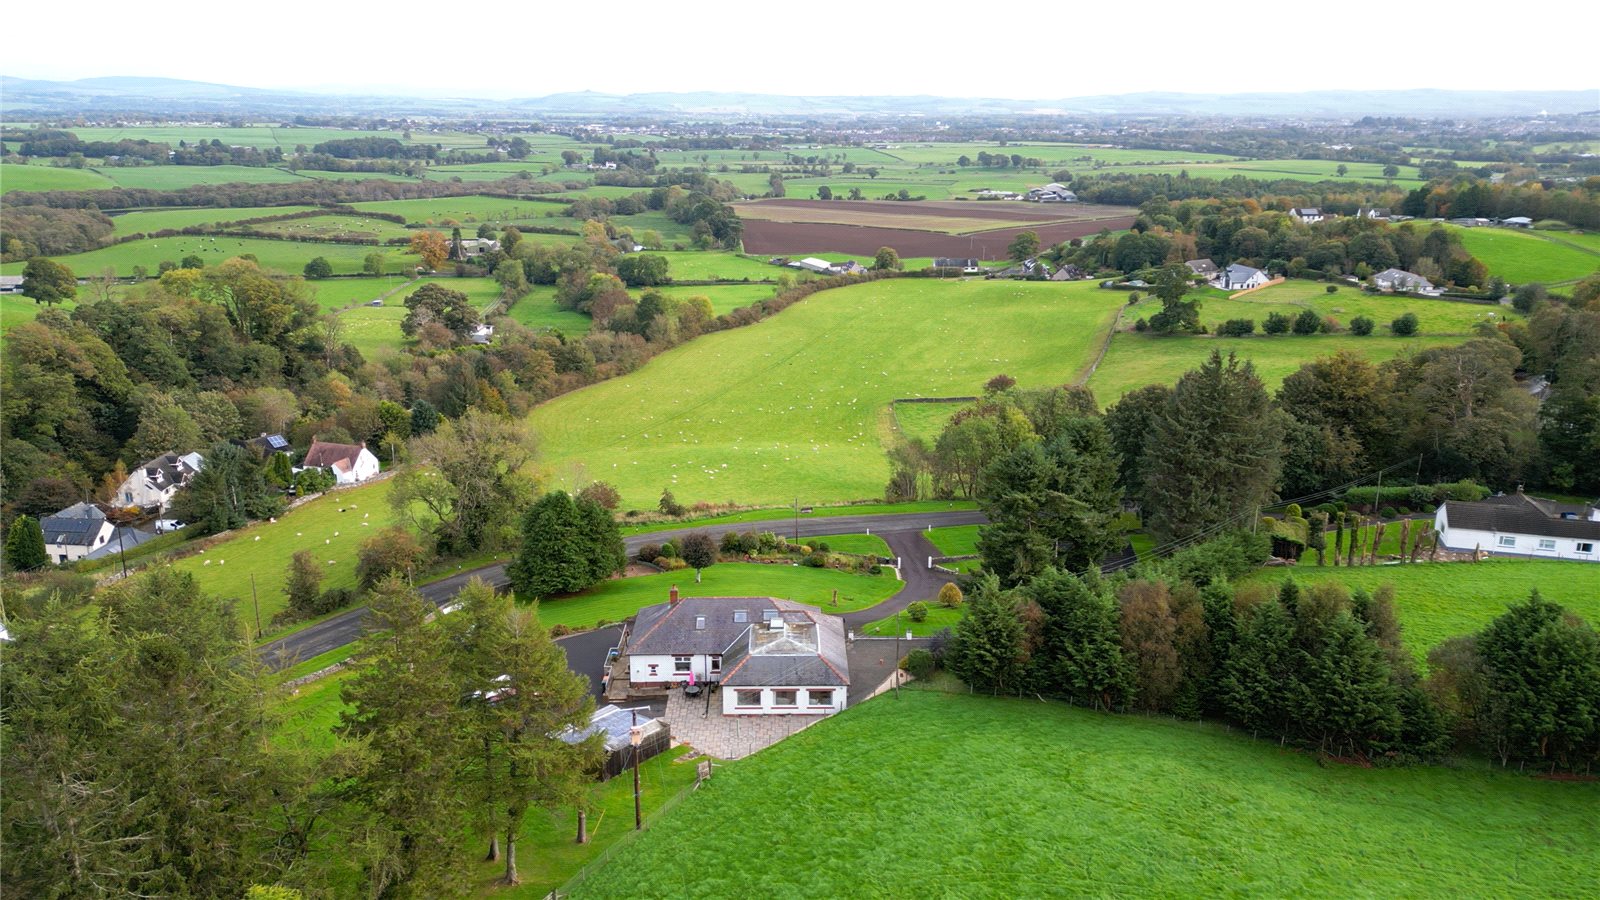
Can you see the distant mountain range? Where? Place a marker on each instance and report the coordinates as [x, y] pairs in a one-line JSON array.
[[19, 96]]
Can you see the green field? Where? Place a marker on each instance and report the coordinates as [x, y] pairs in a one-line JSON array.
[[16, 309], [1022, 798], [471, 209], [717, 265], [339, 293], [225, 570], [284, 256], [1434, 316], [1309, 170], [925, 420], [538, 310], [724, 298], [620, 598], [14, 177], [1136, 360], [1436, 601], [799, 403], [1520, 256], [171, 178], [146, 221]]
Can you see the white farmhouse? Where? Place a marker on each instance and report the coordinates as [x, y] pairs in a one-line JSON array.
[[1239, 277], [1519, 525], [74, 532], [770, 656], [349, 463], [1307, 214], [153, 483]]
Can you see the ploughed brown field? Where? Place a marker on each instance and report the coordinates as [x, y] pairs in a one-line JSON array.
[[980, 229]]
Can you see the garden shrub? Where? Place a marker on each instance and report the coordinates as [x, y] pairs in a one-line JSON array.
[[821, 546], [649, 552], [815, 560], [919, 663], [918, 611], [950, 596], [1237, 327], [1387, 512], [1361, 326]]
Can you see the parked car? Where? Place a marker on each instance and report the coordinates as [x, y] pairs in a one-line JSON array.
[[165, 525]]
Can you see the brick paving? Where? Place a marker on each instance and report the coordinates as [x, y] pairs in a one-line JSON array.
[[727, 737]]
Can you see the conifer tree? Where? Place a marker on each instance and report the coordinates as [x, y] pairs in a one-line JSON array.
[[1083, 658], [987, 649], [25, 545]]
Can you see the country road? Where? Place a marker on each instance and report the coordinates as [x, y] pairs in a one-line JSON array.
[[900, 530]]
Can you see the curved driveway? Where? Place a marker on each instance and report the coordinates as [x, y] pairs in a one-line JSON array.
[[901, 531]]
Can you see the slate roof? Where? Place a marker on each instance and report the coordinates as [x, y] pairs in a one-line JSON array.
[[122, 538], [1238, 274], [332, 456], [77, 525], [269, 443], [169, 470], [1202, 267], [10, 281], [1402, 278], [1521, 514], [808, 648]]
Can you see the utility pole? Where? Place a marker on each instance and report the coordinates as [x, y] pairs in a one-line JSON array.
[[635, 738], [255, 600], [896, 671]]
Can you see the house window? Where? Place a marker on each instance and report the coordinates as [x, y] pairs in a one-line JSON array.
[[785, 698], [741, 615], [819, 698], [716, 664], [653, 668], [680, 664], [1507, 540], [747, 698], [127, 496], [1547, 543]]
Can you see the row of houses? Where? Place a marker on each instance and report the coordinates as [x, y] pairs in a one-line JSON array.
[[83, 531]]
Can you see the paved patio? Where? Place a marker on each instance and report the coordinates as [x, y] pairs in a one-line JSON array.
[[727, 737]]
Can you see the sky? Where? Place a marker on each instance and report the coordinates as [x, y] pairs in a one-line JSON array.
[[869, 47]]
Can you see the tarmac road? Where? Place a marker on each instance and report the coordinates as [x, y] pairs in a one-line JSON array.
[[902, 532]]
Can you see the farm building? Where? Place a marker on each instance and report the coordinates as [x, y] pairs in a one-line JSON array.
[[1307, 214], [812, 264], [966, 266], [768, 656], [1517, 222], [1519, 525], [10, 284], [1400, 280], [153, 483], [1028, 268], [349, 463], [1051, 193], [74, 532], [1240, 277], [472, 247]]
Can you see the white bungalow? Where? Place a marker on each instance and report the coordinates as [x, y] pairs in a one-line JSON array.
[[1519, 525], [769, 656], [1391, 280], [1307, 214], [349, 463]]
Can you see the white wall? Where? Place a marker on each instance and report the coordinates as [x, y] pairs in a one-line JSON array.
[[731, 707], [639, 670], [78, 551], [1466, 540]]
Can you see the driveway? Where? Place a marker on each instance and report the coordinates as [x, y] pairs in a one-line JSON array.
[[586, 655]]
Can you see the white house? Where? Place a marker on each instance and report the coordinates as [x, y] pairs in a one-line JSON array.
[[1519, 525], [1400, 280], [1372, 212], [769, 656], [1051, 193], [10, 284], [1307, 214], [471, 247], [481, 334], [350, 463], [74, 532], [153, 483], [1238, 278]]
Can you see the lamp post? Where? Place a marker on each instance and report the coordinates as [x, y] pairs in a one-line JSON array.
[[636, 737]]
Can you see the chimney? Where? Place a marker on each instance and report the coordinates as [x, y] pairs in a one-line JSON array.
[[672, 596]]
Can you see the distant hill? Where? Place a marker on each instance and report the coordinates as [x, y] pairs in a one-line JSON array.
[[20, 96]]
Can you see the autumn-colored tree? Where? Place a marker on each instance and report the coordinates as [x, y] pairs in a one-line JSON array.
[[432, 247]]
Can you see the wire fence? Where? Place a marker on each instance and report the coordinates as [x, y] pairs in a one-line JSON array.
[[617, 846]]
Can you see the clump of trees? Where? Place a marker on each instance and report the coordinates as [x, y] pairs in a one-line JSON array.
[[568, 545]]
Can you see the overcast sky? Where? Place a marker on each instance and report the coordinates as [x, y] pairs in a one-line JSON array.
[[966, 49]]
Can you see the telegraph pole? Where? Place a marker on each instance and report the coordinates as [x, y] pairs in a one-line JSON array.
[[635, 738]]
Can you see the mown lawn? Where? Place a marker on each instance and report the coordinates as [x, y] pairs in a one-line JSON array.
[[620, 598], [1022, 798], [955, 540], [861, 544], [939, 618], [820, 512], [1441, 600], [799, 403]]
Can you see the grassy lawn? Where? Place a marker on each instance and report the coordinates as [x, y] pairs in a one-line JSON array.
[[717, 265], [1136, 360], [860, 544], [956, 540], [318, 526], [620, 598], [539, 310], [1034, 799], [1519, 256], [925, 420], [339, 293], [939, 618], [1436, 601], [724, 297], [374, 330], [800, 401]]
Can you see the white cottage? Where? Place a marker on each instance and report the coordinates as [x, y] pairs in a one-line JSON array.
[[349, 463], [770, 656], [75, 532], [1519, 525], [1240, 277], [153, 483]]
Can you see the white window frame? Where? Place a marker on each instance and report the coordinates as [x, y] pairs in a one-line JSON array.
[[1507, 540], [777, 698], [1584, 547], [716, 664], [740, 695], [811, 697], [1547, 544], [682, 665]]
